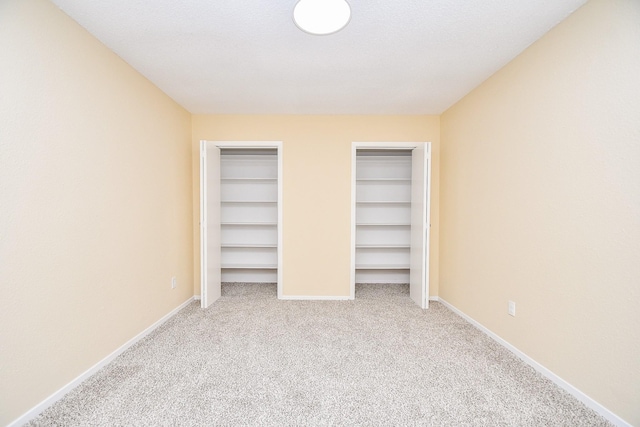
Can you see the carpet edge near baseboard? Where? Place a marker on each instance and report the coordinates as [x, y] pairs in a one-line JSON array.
[[547, 373], [59, 394]]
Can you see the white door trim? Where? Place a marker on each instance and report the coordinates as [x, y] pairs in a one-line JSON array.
[[210, 286]]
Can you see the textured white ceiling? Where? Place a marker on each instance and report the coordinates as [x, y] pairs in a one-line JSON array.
[[248, 57]]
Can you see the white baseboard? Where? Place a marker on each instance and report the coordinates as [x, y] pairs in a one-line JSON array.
[[39, 408], [327, 298], [604, 412], [196, 297], [314, 298]]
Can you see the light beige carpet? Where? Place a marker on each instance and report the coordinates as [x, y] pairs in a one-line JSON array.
[[380, 360]]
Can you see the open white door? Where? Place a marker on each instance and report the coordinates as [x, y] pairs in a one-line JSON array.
[[420, 186], [210, 275]]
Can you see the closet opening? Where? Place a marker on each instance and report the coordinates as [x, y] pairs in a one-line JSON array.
[[390, 216], [241, 208]]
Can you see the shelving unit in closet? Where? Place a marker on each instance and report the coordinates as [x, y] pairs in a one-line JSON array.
[[383, 216]]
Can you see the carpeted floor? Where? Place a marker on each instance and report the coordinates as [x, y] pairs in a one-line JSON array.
[[380, 360]]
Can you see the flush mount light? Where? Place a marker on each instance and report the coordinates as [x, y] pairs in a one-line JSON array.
[[321, 17]]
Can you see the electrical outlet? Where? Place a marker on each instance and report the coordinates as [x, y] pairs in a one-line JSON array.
[[174, 282], [512, 308]]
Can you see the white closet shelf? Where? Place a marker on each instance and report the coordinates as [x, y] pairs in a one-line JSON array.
[[248, 179], [387, 246], [249, 223], [249, 245], [382, 266], [379, 224], [383, 202], [383, 179], [383, 216], [248, 201], [251, 266]]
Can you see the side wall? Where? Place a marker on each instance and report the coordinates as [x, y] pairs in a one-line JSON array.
[[95, 190], [317, 187], [540, 203]]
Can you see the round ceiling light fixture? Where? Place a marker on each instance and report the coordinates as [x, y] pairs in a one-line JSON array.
[[321, 17]]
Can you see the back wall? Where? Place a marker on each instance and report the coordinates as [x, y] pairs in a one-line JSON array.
[[317, 187]]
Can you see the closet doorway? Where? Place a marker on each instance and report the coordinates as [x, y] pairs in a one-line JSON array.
[[240, 215], [390, 215]]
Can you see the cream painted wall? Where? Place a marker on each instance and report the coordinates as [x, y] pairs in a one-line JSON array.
[[540, 203], [316, 187], [95, 196]]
